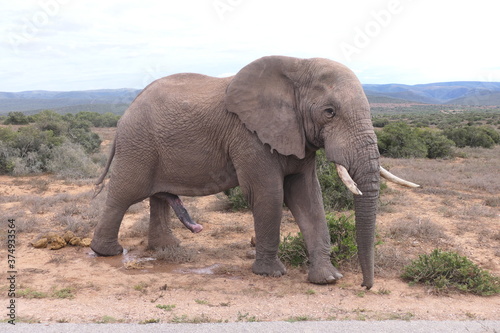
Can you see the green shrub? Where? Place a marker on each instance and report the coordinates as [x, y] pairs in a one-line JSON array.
[[336, 196], [7, 155], [343, 238], [492, 133], [438, 145], [449, 271], [49, 120], [16, 118], [27, 150], [473, 136], [90, 141], [292, 250], [30, 139], [237, 199], [380, 122], [53, 144], [399, 140], [107, 119]]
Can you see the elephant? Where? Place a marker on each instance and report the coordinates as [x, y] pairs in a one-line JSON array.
[[194, 135]]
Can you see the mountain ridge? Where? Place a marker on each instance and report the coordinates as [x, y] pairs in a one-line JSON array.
[[474, 93]]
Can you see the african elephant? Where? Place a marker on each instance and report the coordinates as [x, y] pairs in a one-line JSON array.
[[194, 135]]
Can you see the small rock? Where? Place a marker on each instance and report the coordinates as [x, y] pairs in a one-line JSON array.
[[41, 243]]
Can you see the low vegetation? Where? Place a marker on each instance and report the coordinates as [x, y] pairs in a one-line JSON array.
[[447, 271], [53, 143], [431, 131], [292, 250], [95, 119]]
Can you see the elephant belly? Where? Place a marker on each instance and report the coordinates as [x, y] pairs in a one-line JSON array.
[[196, 179]]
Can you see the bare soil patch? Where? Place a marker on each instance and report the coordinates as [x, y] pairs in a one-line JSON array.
[[457, 209]]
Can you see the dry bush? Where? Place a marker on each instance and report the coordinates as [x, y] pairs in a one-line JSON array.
[[492, 202], [140, 227], [417, 227], [40, 185], [9, 198], [137, 208], [474, 212], [70, 161], [390, 260], [26, 224], [226, 230], [175, 254], [391, 200]]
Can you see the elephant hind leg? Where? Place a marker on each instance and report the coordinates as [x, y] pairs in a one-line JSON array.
[[105, 240], [160, 232]]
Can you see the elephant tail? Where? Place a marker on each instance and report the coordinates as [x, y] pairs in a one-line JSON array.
[[99, 185]]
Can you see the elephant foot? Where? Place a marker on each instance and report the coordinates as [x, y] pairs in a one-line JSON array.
[[323, 274], [269, 267], [106, 248], [165, 241]]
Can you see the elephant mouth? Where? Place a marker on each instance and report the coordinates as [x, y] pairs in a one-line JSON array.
[[353, 187]]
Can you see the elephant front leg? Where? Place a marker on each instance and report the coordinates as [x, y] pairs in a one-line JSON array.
[[303, 197], [267, 211], [160, 233]]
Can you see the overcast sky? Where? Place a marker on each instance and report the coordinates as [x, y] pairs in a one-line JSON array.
[[94, 44]]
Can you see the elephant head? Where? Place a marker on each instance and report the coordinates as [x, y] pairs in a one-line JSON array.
[[300, 105]]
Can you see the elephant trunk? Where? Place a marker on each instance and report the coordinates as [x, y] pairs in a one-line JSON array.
[[360, 171], [365, 209], [367, 175]]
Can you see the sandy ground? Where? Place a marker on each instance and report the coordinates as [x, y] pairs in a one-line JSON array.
[[215, 283]]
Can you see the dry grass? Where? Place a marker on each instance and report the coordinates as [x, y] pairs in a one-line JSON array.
[[492, 202], [140, 227], [473, 172], [175, 254], [390, 260], [420, 228], [223, 232]]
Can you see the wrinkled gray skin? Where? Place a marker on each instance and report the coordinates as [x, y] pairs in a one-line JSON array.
[[193, 135]]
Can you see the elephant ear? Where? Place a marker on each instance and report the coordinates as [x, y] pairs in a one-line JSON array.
[[262, 94]]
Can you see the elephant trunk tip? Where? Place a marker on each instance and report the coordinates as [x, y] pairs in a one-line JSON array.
[[368, 286]]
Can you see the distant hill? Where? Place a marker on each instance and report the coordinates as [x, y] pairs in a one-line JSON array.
[[466, 93], [117, 100], [106, 100]]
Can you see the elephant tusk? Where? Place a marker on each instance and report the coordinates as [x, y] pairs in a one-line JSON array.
[[347, 180], [389, 176]]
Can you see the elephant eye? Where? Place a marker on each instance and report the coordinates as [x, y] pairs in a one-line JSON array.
[[330, 112]]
